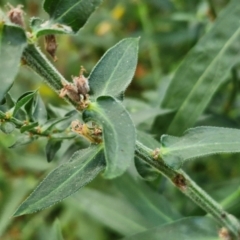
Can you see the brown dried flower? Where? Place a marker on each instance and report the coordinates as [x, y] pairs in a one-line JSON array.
[[51, 45], [81, 82], [15, 15]]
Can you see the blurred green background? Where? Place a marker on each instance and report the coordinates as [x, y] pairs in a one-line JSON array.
[[168, 30]]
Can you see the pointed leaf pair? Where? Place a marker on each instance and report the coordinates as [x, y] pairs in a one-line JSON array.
[[24, 99], [65, 180]]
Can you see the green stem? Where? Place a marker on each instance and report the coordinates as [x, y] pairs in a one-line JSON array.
[[188, 187], [19, 124], [35, 59]]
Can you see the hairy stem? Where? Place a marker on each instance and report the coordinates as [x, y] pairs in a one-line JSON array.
[[38, 62], [188, 187], [35, 59]]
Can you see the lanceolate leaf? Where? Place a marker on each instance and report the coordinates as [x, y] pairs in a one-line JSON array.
[[22, 140], [197, 228], [204, 70], [12, 43], [113, 212], [51, 148], [197, 142], [115, 70], [28, 127], [65, 180], [39, 112], [55, 232], [65, 16], [52, 122], [25, 98], [118, 133]]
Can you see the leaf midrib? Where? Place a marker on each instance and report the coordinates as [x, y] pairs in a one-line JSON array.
[[113, 72], [70, 9], [55, 189], [178, 149], [202, 78]]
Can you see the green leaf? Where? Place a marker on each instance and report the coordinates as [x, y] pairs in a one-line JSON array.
[[22, 140], [64, 135], [197, 228], [55, 232], [152, 206], [19, 189], [115, 70], [41, 27], [130, 217], [113, 212], [52, 122], [118, 133], [51, 148], [147, 115], [65, 180], [7, 127], [12, 43], [197, 142], [28, 127], [10, 102], [39, 111], [25, 98], [65, 16], [204, 69]]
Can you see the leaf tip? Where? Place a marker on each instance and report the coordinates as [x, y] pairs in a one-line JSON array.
[[19, 212]]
